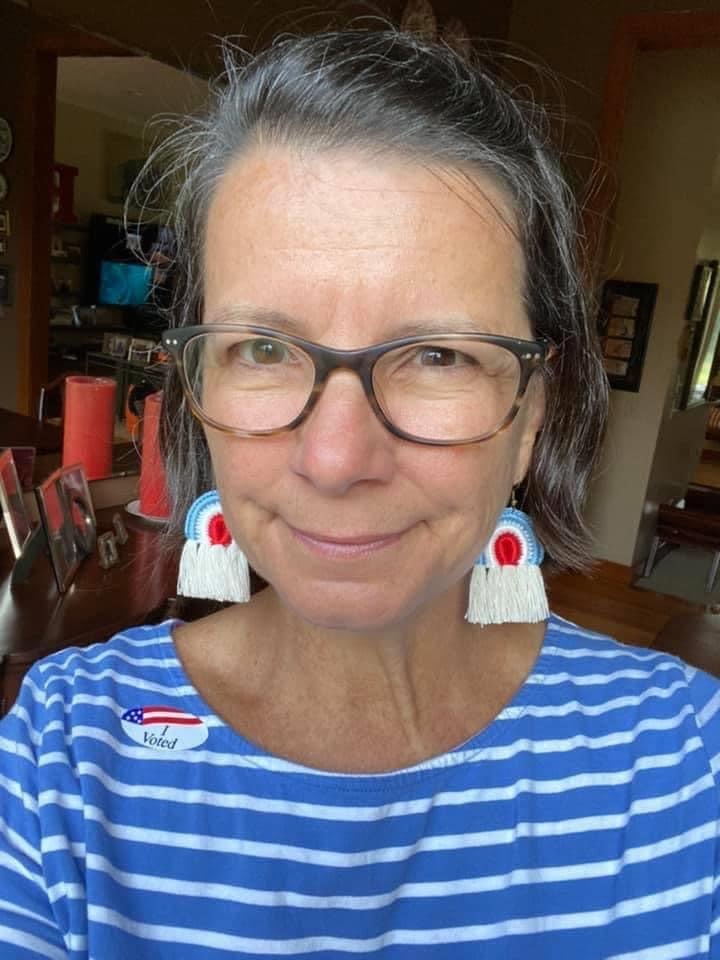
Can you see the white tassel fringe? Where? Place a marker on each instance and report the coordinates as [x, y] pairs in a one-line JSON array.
[[214, 572], [508, 594]]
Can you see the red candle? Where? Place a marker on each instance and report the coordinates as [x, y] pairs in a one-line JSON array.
[[153, 490], [88, 424]]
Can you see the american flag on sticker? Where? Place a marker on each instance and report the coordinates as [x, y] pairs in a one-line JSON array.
[[144, 716]]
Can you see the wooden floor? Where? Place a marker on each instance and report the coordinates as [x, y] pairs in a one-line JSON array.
[[707, 472], [604, 601]]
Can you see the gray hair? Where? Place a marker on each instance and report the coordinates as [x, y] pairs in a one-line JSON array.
[[388, 91]]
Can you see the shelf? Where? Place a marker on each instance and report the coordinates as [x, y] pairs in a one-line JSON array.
[[70, 226]]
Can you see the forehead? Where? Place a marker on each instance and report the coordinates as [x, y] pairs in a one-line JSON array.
[[352, 247]]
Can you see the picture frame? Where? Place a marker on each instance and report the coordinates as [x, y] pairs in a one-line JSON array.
[[24, 458], [121, 534], [701, 336], [15, 515], [141, 350], [107, 547], [68, 517], [626, 310], [116, 345], [5, 286]]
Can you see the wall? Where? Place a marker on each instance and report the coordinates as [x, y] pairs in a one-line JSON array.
[[682, 433], [181, 33], [671, 141], [184, 33], [574, 39], [81, 140], [14, 42], [656, 240]]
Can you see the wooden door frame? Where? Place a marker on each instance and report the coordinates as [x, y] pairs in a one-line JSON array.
[[33, 280], [634, 34]]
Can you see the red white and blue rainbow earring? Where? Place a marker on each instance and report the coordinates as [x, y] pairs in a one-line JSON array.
[[507, 584], [212, 566]]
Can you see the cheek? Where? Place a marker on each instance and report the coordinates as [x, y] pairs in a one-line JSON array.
[[245, 470], [466, 488], [472, 474], [241, 461]]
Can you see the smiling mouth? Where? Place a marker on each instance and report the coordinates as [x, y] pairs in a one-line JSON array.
[[342, 546]]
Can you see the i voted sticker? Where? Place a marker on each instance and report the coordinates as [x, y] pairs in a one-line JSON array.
[[164, 728]]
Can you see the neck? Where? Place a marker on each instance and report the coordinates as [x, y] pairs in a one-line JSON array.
[[361, 702]]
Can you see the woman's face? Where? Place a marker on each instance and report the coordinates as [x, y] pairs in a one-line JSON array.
[[353, 527]]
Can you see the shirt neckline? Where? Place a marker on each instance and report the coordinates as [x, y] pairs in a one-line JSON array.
[[256, 756]]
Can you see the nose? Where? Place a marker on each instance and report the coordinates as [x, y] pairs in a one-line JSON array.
[[342, 442]]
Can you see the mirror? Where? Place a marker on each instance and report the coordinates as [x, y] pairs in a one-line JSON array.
[[701, 336]]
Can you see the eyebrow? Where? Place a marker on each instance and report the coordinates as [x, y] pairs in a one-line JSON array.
[[284, 322], [257, 316]]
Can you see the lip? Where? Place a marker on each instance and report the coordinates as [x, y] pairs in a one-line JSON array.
[[344, 546]]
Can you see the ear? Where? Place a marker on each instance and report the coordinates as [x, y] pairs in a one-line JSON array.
[[529, 420]]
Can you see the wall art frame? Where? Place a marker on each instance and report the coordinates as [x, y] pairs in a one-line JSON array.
[[626, 310]]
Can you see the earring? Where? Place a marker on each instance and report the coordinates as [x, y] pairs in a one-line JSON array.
[[212, 566], [507, 584]]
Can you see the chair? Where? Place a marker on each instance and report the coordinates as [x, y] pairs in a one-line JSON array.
[[693, 521]]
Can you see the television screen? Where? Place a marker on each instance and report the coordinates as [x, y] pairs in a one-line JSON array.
[[124, 284]]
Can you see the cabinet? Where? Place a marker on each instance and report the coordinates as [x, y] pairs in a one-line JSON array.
[[68, 263]]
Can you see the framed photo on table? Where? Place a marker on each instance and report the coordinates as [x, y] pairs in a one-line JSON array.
[[116, 345], [626, 310], [13, 506], [68, 518]]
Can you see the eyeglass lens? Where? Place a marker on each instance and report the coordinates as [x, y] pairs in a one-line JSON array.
[[444, 391]]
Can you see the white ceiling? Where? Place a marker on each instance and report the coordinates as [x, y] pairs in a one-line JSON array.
[[132, 89]]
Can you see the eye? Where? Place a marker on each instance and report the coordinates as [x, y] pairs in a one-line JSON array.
[[434, 356], [262, 352]]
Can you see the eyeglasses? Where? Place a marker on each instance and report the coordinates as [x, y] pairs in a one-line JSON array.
[[449, 388]]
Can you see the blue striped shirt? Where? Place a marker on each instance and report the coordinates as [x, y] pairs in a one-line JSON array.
[[581, 822]]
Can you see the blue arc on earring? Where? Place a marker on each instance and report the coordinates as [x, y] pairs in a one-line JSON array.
[[513, 542], [204, 522]]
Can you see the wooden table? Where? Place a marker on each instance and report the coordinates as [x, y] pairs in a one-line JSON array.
[[36, 620], [17, 430]]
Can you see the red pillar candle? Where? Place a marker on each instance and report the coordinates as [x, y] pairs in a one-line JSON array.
[[88, 424], [153, 490]]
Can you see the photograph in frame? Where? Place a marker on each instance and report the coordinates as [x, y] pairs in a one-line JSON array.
[[68, 517], [14, 511]]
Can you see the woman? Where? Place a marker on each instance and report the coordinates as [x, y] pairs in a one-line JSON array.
[[383, 338]]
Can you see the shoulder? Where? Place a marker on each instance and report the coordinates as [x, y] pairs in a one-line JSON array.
[[131, 656], [705, 694], [653, 691], [583, 654], [61, 688]]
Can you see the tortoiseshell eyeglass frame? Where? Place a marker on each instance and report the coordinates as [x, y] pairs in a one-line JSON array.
[[532, 356]]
